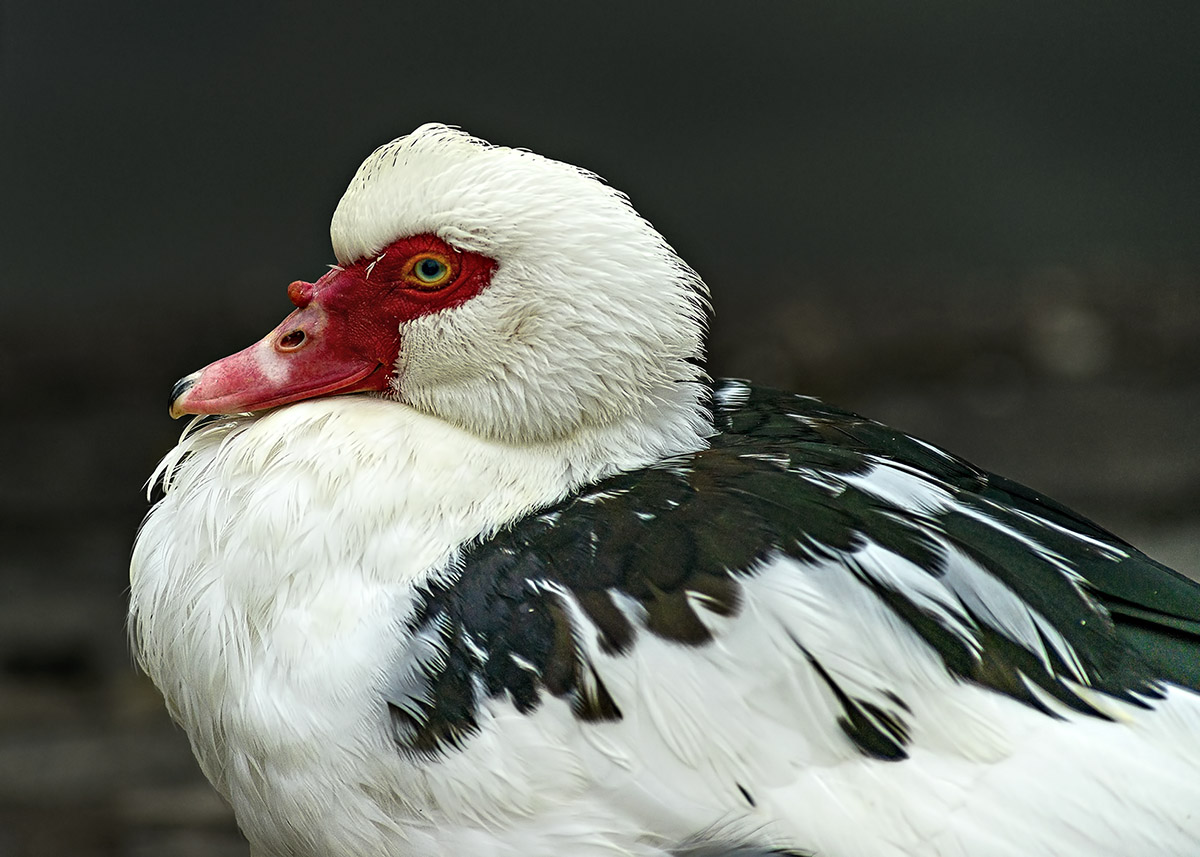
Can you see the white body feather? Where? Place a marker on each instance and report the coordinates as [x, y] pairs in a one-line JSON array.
[[272, 583]]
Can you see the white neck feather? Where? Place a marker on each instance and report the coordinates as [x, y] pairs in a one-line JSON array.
[[375, 471]]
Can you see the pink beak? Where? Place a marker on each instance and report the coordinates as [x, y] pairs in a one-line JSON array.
[[314, 352]]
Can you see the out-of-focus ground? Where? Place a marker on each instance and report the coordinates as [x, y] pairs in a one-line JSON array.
[[977, 222]]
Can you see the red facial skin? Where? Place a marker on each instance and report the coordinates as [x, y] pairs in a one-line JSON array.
[[344, 336]]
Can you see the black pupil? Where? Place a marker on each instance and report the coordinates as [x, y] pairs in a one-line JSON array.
[[431, 269]]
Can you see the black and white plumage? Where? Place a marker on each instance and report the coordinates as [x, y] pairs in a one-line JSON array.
[[540, 589]]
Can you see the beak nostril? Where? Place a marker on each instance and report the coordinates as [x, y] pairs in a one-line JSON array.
[[291, 341]]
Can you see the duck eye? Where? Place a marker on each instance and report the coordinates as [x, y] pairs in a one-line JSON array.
[[430, 271]]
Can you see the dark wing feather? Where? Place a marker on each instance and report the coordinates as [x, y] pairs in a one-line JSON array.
[[1156, 609], [784, 476]]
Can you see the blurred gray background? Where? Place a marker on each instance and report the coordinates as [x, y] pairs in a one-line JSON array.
[[978, 222]]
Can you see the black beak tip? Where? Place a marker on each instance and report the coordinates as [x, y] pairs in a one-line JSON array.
[[181, 387]]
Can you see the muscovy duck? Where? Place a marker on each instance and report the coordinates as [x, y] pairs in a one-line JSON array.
[[540, 588]]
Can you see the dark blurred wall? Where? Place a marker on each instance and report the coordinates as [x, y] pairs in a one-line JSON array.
[[978, 221], [158, 147]]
